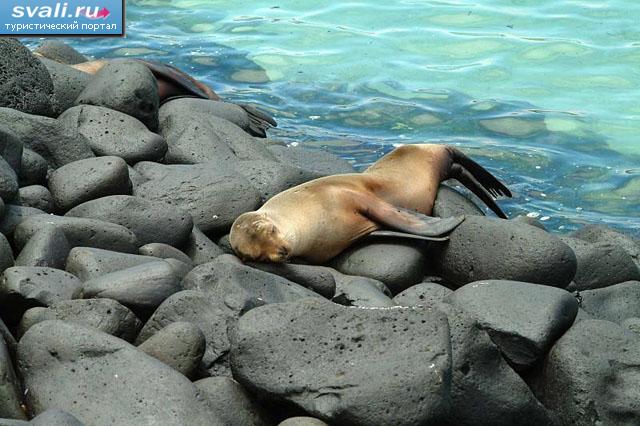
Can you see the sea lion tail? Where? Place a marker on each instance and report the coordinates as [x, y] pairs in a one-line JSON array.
[[259, 121], [478, 179]]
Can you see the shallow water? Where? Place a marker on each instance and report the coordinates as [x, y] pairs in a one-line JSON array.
[[544, 93]]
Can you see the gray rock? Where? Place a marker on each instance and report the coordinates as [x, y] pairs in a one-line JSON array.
[[317, 278], [484, 388], [232, 404], [8, 181], [397, 262], [47, 247], [15, 215], [523, 319], [600, 233], [150, 221], [181, 269], [68, 83], [213, 198], [423, 294], [600, 264], [85, 180], [615, 303], [47, 137], [111, 132], [362, 292], [106, 315], [25, 84], [55, 355], [302, 421], [632, 325], [210, 316], [224, 245], [590, 376], [125, 86], [36, 196], [242, 287], [55, 417], [6, 254], [485, 248], [180, 345], [87, 262], [33, 170], [61, 52], [10, 392], [164, 251], [12, 422], [11, 148], [141, 288], [530, 221], [24, 287], [7, 337], [450, 202], [344, 359], [270, 177], [79, 232], [319, 162]]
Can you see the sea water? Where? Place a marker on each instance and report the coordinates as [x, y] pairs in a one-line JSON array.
[[543, 93]]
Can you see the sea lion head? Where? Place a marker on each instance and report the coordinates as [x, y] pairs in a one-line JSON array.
[[255, 237]]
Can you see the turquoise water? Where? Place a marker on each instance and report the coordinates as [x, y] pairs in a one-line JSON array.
[[542, 92]]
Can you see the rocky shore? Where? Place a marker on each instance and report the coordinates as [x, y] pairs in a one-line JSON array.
[[121, 302]]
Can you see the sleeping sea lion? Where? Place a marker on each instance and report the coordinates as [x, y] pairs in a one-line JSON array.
[[174, 83], [317, 220]]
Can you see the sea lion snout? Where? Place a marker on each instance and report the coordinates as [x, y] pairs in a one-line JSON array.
[[254, 237]]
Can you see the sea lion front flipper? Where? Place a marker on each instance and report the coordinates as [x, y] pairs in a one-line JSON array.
[[259, 121], [396, 234]]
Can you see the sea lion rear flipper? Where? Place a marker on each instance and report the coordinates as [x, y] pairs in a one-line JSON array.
[[397, 218], [480, 181], [259, 121], [181, 80]]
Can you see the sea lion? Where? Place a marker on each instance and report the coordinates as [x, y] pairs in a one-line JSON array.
[[317, 220]]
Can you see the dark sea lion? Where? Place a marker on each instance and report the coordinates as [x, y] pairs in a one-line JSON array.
[[174, 83], [317, 220]]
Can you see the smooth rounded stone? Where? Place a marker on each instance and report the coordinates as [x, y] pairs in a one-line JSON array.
[[302, 421], [10, 394], [85, 180], [125, 86], [423, 294], [194, 137], [615, 303], [8, 181], [523, 319], [7, 337], [68, 83], [180, 345], [25, 84], [164, 251], [6, 254], [317, 278], [1, 208], [47, 137], [529, 221], [150, 221], [111, 132], [140, 288], [632, 325], [181, 269], [484, 388], [135, 177], [600, 233], [55, 417], [450, 202], [241, 287], [210, 316], [61, 52], [225, 245], [399, 358], [15, 215], [106, 315], [214, 198], [84, 363], [399, 263], [270, 177], [12, 422], [47, 247], [230, 112], [33, 170], [79, 232], [486, 248], [600, 264], [590, 376], [36, 196], [87, 262], [319, 162], [11, 148], [232, 403], [361, 292], [25, 287]]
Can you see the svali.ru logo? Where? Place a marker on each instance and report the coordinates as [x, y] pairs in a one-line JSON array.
[[60, 10]]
